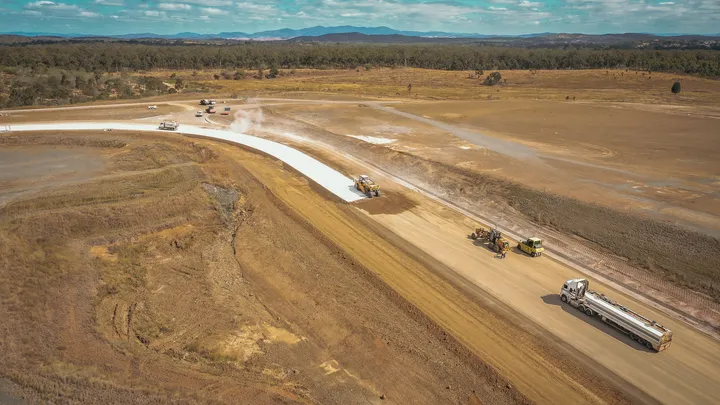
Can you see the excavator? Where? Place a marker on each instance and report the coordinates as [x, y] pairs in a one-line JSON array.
[[367, 186]]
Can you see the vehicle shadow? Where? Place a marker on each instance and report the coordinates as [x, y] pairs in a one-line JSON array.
[[554, 299], [356, 191]]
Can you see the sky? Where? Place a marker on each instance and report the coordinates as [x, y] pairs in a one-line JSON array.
[[111, 17]]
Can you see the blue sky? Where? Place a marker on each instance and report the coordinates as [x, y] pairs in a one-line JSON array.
[[480, 16]]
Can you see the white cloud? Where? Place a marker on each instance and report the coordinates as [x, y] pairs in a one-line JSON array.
[[215, 3], [114, 17], [173, 6], [51, 9], [252, 7], [212, 11], [41, 3], [526, 3], [667, 3], [114, 3], [493, 8], [152, 13]]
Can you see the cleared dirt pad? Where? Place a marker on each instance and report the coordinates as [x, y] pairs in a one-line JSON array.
[[184, 278], [24, 169], [79, 114]]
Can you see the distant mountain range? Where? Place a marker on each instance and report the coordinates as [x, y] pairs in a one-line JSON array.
[[307, 33]]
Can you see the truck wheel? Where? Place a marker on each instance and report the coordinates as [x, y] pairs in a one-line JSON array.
[[581, 308], [633, 336], [473, 236], [563, 298], [649, 345], [533, 254], [589, 312], [377, 193], [641, 341]]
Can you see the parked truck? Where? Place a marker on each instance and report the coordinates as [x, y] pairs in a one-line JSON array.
[[647, 332]]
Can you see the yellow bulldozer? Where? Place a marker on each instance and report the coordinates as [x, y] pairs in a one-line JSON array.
[[531, 246], [368, 187]]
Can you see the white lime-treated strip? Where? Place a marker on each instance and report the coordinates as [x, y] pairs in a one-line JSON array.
[[327, 177]]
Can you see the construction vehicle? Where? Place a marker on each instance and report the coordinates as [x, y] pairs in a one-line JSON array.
[[532, 246], [647, 332], [367, 186], [210, 110], [496, 242], [226, 111], [199, 113], [204, 102], [169, 125], [480, 233]]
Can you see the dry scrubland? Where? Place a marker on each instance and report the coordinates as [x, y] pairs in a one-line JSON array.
[[149, 283], [584, 85]]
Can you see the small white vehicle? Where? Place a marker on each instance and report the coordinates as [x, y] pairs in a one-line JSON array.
[[199, 113], [152, 107], [169, 125], [212, 102]]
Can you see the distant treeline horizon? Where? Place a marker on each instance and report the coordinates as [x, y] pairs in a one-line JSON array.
[[115, 57]]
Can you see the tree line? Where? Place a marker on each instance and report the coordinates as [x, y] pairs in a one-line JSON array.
[[115, 57]]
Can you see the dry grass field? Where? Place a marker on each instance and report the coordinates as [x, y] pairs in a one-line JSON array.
[[584, 85]]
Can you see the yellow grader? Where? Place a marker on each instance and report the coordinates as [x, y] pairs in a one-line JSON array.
[[496, 242]]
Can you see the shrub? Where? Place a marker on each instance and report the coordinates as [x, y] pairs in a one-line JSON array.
[[675, 88], [492, 79]]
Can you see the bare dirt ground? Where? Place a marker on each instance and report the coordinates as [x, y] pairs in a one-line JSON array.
[[79, 114], [576, 173], [180, 278]]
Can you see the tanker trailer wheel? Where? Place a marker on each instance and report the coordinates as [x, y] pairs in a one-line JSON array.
[[581, 308], [589, 312], [641, 341], [563, 298], [649, 345]]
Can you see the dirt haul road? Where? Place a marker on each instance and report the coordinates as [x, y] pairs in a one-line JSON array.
[[687, 373]]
